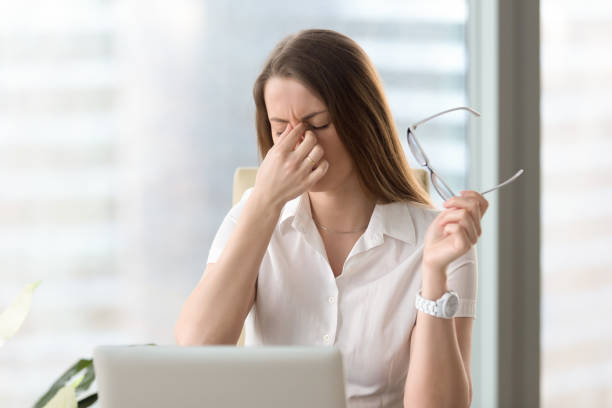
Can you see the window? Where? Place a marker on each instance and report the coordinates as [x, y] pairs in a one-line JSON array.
[[576, 362]]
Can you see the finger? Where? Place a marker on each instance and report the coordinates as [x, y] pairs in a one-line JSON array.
[[460, 233], [482, 201], [316, 154], [304, 149], [484, 204], [468, 203], [462, 218], [288, 142], [317, 173], [284, 133]]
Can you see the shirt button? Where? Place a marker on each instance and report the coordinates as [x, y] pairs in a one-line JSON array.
[[332, 299], [327, 339]]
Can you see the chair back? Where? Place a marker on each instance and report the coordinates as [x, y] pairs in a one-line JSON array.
[[244, 178]]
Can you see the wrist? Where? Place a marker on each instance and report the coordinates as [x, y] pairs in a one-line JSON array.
[[432, 262], [434, 282], [267, 202]]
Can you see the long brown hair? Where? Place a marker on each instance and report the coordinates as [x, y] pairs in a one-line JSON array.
[[341, 74]]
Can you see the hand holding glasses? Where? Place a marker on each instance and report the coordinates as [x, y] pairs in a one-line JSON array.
[[439, 184]]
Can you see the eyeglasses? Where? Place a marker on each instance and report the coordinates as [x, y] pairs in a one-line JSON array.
[[439, 184]]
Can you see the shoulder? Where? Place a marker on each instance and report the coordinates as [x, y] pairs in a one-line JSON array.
[[422, 216], [422, 212]]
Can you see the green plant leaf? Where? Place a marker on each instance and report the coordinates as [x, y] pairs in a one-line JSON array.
[[83, 384], [13, 317], [83, 364], [89, 377], [88, 401]]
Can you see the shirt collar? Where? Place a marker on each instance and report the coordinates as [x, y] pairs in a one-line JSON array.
[[392, 219]]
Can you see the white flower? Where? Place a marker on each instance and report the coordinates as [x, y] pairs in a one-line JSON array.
[[65, 397], [13, 317]]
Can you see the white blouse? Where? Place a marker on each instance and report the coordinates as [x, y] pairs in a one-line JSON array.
[[367, 312]]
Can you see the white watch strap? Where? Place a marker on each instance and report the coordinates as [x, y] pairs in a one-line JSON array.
[[440, 307], [426, 306]]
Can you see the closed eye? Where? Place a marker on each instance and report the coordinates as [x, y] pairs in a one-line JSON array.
[[320, 127], [310, 127]]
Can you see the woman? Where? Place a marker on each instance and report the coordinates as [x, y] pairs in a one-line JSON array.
[[335, 240]]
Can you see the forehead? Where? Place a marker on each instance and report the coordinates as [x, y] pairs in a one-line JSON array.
[[287, 97]]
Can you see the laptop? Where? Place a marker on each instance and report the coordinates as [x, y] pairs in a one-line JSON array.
[[219, 376]]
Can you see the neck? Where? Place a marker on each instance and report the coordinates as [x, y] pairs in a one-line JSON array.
[[345, 209]]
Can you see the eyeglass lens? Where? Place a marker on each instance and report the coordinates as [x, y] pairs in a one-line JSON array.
[[441, 187], [417, 152]]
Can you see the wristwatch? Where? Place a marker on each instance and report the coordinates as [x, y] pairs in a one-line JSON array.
[[445, 307]]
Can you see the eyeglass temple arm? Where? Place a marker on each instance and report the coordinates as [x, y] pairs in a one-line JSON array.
[[419, 123], [510, 180]]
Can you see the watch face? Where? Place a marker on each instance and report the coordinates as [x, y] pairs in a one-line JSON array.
[[452, 304]]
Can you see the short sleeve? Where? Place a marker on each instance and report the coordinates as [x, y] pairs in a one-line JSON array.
[[462, 277], [227, 226]]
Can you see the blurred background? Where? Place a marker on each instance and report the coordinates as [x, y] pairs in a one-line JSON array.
[[576, 215], [122, 122]]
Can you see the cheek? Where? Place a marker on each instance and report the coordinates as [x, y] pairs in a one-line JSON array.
[[335, 151]]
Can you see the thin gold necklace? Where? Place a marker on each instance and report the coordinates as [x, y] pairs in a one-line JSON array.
[[339, 232]]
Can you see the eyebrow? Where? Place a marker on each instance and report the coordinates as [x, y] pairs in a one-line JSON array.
[[310, 115]]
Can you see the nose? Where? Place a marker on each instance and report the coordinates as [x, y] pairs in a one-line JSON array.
[[294, 122]]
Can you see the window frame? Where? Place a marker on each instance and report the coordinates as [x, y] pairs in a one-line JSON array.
[[504, 60]]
